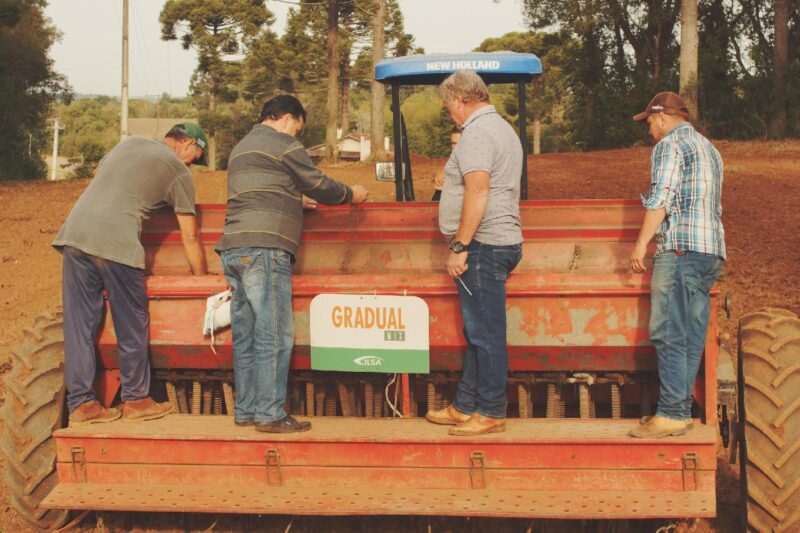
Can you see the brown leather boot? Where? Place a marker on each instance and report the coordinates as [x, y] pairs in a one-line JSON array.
[[448, 416], [144, 409], [660, 426], [92, 412], [478, 425], [645, 419]]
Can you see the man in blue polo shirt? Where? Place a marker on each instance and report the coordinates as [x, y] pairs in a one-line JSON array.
[[684, 212]]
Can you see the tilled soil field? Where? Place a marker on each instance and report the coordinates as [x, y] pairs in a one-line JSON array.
[[762, 188]]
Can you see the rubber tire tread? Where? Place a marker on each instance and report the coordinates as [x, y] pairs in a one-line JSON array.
[[769, 344], [33, 410]]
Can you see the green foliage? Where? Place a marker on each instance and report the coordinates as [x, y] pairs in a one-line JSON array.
[[166, 106], [28, 87], [427, 123], [217, 29], [550, 95], [91, 125], [91, 128], [623, 51], [296, 62]]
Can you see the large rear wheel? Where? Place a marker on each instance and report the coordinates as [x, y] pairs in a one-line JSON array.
[[769, 379], [33, 409]]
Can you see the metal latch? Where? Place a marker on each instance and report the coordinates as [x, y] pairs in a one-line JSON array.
[[79, 463], [477, 470], [690, 471], [273, 463]]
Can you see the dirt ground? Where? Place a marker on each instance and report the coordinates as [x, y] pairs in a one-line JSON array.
[[761, 190]]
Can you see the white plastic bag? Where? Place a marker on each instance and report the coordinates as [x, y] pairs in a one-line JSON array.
[[218, 314]]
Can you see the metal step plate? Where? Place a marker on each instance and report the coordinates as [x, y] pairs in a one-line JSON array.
[[379, 463], [304, 501]]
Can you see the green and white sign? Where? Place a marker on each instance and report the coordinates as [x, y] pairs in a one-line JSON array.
[[368, 333]]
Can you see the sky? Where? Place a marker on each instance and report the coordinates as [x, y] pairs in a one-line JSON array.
[[89, 53]]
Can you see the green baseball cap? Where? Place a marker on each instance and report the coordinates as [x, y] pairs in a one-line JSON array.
[[195, 132]]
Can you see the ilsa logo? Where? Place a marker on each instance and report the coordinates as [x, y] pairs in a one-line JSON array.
[[368, 361]]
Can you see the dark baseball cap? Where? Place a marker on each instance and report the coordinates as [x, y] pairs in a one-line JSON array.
[[668, 103], [190, 129]]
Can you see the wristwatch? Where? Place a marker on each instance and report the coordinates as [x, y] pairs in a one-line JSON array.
[[459, 247]]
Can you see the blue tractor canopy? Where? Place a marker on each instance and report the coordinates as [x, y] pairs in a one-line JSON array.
[[493, 67]]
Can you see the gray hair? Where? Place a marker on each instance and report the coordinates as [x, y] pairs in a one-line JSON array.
[[465, 85]]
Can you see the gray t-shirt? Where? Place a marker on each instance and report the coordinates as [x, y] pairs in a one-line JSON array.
[[487, 143], [138, 176]]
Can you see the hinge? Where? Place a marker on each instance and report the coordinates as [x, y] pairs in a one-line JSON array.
[[79, 463], [690, 471], [273, 463], [477, 470]]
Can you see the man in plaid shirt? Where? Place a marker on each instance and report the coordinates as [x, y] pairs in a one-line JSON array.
[[684, 214]]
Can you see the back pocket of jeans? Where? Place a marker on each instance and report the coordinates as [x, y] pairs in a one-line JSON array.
[[504, 261]]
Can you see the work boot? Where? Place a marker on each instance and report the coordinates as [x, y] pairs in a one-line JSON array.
[[243, 423], [144, 409], [448, 416], [479, 425], [287, 424], [92, 412], [645, 419], [660, 426]]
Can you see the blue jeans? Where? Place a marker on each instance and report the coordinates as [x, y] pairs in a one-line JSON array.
[[484, 374], [263, 330], [84, 277], [678, 323]]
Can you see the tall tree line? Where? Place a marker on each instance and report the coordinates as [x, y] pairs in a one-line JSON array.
[[325, 52], [28, 87], [746, 83]]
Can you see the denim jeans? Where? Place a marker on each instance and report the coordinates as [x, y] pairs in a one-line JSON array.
[[263, 330], [84, 277], [678, 322], [484, 373]]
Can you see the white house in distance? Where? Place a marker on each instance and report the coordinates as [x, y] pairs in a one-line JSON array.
[[352, 147]]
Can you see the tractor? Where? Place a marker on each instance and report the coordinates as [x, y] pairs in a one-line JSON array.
[[581, 373]]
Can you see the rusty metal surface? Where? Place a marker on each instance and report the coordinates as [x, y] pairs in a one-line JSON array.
[[402, 238], [573, 304], [379, 501], [389, 453], [582, 326], [392, 430]]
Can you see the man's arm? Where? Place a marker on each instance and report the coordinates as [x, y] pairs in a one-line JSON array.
[[476, 196], [666, 172], [652, 220], [313, 183], [191, 243]]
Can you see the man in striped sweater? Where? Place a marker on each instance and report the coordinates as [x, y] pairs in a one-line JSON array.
[[269, 171]]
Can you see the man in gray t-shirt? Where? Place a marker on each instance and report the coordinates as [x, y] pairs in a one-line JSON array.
[[101, 250], [479, 214]]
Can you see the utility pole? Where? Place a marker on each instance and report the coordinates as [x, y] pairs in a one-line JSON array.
[[123, 115], [377, 153], [54, 166], [333, 80], [688, 56]]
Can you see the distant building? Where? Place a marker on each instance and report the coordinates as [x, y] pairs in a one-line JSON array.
[[154, 127], [352, 147]]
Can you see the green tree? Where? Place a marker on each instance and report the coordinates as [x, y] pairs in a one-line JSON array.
[[216, 29], [28, 87], [549, 95], [297, 62], [91, 129]]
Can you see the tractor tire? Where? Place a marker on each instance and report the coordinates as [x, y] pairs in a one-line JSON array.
[[33, 410], [769, 382]]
